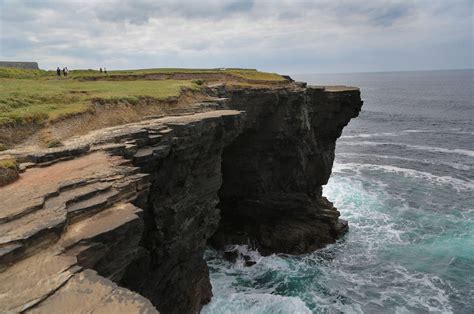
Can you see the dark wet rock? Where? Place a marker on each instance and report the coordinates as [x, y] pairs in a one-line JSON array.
[[231, 256], [248, 261]]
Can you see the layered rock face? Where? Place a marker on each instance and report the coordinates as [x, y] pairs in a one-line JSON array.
[[132, 205], [58, 221], [182, 215], [118, 220], [274, 171]]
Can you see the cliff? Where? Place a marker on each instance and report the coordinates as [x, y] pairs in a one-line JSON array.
[[20, 65], [274, 171], [118, 219]]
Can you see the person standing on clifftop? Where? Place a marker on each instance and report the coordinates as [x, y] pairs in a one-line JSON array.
[[105, 70], [100, 70], [58, 72]]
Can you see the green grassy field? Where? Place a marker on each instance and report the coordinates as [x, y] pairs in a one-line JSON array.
[[28, 100], [249, 74], [28, 96]]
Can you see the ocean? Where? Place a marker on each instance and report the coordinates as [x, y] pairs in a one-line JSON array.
[[403, 179]]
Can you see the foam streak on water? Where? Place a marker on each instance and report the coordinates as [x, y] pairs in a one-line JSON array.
[[403, 179]]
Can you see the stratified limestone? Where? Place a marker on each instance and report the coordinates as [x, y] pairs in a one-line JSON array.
[[59, 219], [136, 204], [71, 212], [182, 211], [90, 293]]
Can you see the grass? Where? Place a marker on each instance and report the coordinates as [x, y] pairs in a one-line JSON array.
[[256, 75], [9, 163], [54, 143], [36, 96], [37, 100], [23, 73], [249, 74]]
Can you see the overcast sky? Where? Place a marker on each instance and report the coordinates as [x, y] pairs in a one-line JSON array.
[[275, 35]]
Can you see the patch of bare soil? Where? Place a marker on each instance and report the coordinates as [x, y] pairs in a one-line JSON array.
[[13, 134]]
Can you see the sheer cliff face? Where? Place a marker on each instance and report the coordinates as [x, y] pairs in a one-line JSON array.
[[273, 172], [254, 178], [137, 204], [182, 215]]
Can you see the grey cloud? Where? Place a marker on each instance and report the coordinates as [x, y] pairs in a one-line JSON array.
[[14, 11], [273, 34], [197, 45], [377, 13], [9, 46], [289, 15], [139, 12], [239, 6], [390, 15]]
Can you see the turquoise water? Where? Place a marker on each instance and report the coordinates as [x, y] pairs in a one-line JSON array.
[[403, 179]]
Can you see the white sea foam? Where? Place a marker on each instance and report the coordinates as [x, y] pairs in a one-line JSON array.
[[352, 276], [376, 286], [458, 151], [457, 184], [427, 161], [369, 135], [258, 303], [448, 131]]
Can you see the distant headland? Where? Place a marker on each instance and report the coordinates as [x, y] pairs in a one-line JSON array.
[[20, 64]]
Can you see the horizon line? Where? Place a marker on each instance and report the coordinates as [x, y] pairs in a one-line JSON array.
[[390, 71]]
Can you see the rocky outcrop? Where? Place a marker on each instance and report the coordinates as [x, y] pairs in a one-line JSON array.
[[20, 65], [78, 208], [58, 220], [274, 171], [182, 214], [117, 220]]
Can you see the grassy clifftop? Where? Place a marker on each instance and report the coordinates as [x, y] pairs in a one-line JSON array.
[[28, 96], [27, 100], [39, 108], [246, 74]]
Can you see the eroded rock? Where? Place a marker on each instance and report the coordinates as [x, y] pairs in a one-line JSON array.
[[274, 171], [136, 204]]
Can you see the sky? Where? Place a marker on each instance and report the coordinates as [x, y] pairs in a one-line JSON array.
[[320, 36]]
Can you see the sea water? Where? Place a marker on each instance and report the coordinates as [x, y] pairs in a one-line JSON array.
[[403, 178]]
